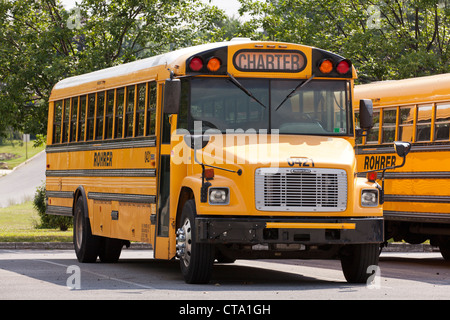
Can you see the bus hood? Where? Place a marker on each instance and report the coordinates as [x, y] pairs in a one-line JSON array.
[[278, 151]]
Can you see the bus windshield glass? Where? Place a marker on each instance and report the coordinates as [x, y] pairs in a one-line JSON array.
[[317, 107]]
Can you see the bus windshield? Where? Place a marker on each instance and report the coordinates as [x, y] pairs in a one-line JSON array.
[[317, 107]]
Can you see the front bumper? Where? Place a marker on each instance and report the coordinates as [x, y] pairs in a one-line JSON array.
[[223, 230]]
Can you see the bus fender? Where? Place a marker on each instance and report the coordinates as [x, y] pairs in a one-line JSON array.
[[80, 192], [192, 183]]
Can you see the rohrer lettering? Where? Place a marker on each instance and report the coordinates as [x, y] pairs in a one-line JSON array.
[[103, 159], [379, 162]]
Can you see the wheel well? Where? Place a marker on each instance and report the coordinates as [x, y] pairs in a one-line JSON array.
[[80, 193], [185, 195]]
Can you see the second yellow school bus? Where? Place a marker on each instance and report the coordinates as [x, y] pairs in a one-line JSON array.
[[417, 199], [222, 151]]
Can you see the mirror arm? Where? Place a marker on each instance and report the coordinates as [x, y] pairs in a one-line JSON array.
[[207, 184], [239, 172], [361, 132]]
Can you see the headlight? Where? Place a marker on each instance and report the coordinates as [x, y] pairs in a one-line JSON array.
[[219, 196], [369, 198]]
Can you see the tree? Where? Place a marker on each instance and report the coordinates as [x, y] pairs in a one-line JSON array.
[[42, 43], [385, 39]]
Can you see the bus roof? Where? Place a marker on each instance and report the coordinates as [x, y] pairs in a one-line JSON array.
[[406, 91], [134, 67], [153, 68]]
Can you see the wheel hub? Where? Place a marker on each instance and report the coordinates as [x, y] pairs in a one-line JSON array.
[[184, 242]]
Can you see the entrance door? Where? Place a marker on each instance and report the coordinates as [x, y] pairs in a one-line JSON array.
[[161, 248]]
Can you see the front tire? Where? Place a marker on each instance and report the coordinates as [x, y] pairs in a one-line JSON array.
[[196, 259], [85, 243], [356, 260]]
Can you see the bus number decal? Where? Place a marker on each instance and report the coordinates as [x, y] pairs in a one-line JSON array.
[[301, 162], [148, 157], [103, 159], [378, 162]]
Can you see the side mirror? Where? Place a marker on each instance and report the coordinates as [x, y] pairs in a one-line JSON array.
[[172, 96], [366, 114], [197, 141], [402, 148]]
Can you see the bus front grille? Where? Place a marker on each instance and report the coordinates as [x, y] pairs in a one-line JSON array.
[[299, 189]]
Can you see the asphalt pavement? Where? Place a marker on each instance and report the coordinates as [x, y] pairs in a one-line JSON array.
[[20, 185]]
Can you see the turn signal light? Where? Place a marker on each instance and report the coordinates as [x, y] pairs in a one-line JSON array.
[[372, 176], [214, 64], [209, 174], [326, 66], [196, 64]]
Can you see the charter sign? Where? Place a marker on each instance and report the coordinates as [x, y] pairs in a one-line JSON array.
[[269, 61]]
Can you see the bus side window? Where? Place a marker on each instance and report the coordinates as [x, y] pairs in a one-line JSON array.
[[358, 138], [100, 115], [82, 121], [184, 106], [388, 126], [442, 123], [151, 108], [140, 111], [129, 111], [57, 122], [90, 117], [109, 117], [423, 127], [74, 120], [119, 113], [372, 137], [406, 122], [66, 120]]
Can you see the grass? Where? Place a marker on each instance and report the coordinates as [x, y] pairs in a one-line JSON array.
[[20, 149], [18, 224]]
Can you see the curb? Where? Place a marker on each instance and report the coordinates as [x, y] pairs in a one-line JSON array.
[[59, 246], [391, 247], [8, 171], [405, 247]]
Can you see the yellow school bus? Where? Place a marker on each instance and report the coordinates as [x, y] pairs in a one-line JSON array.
[[417, 199], [217, 152]]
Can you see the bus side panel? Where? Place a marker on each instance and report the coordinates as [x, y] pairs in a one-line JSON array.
[[419, 187]]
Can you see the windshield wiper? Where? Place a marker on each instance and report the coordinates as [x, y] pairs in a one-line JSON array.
[[300, 85], [240, 86]]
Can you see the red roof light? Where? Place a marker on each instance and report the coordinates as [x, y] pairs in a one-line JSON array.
[[196, 64], [343, 67]]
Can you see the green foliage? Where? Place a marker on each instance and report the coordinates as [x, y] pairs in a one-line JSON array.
[[42, 43], [48, 221], [385, 39], [40, 140]]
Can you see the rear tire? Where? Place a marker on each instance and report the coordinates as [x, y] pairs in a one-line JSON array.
[[356, 259], [444, 247], [196, 259], [85, 243]]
